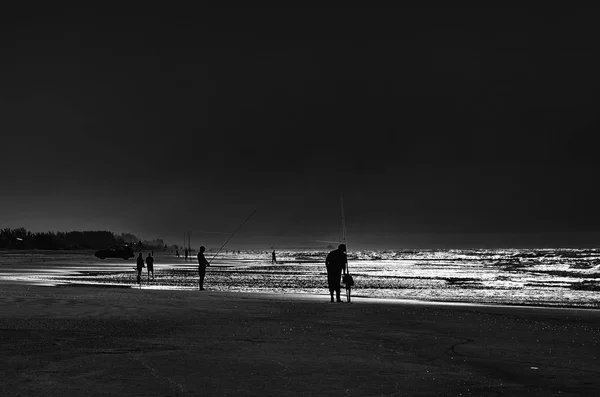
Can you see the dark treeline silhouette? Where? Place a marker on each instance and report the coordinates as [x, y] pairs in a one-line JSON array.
[[23, 239]]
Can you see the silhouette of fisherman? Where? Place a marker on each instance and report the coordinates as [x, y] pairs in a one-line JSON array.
[[150, 264], [202, 264], [274, 259], [140, 266], [336, 263]]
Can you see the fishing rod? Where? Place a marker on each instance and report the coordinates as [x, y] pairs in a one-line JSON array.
[[233, 234], [348, 280], [343, 224]]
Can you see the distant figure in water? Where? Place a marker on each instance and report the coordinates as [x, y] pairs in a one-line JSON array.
[[177, 252], [202, 264], [185, 253], [274, 259], [140, 266], [336, 263], [150, 264]]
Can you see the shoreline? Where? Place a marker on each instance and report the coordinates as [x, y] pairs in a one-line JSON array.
[[356, 298], [321, 298], [405, 280]]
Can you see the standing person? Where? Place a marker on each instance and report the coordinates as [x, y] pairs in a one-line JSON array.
[[336, 263], [140, 266], [185, 253], [274, 259], [202, 264], [150, 264]]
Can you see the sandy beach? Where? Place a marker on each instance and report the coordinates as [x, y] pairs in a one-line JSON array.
[[443, 157], [93, 341]]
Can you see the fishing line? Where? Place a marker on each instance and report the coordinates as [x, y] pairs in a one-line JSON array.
[[233, 234]]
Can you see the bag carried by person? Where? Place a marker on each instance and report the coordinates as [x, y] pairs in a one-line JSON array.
[[348, 280]]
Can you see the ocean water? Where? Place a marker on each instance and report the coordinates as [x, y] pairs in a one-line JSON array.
[[545, 277]]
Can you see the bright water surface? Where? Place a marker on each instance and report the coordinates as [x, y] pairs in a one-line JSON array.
[[549, 277]]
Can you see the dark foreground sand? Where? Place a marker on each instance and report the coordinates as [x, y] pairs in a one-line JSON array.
[[89, 341]]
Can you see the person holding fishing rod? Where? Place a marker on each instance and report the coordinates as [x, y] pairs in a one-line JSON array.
[[336, 263], [202, 265]]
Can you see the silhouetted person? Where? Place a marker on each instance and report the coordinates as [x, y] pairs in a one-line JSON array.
[[177, 252], [185, 253], [150, 264], [274, 259], [336, 263], [140, 266], [202, 264]]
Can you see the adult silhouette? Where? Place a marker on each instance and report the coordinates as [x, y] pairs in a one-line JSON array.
[[140, 266], [336, 264], [150, 264], [202, 265]]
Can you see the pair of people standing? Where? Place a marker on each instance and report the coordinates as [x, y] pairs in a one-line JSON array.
[[140, 266]]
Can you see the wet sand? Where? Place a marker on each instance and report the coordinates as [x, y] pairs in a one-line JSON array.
[[93, 341]]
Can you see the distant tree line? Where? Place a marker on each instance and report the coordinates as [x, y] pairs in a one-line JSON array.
[[94, 239]]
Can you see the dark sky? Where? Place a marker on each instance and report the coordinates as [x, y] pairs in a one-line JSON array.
[[442, 127]]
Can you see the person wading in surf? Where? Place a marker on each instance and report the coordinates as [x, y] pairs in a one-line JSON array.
[[336, 263], [202, 264]]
